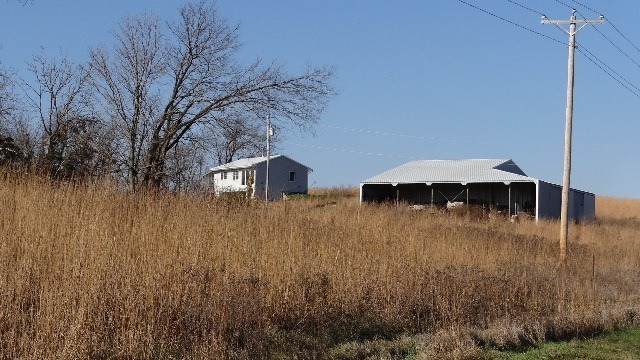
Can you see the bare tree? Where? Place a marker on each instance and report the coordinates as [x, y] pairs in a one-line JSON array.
[[164, 83], [127, 81], [235, 136], [185, 166], [7, 99], [62, 99]]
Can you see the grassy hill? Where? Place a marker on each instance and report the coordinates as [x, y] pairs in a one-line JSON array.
[[89, 271]]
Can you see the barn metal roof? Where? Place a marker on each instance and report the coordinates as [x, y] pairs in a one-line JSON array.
[[247, 163], [452, 171]]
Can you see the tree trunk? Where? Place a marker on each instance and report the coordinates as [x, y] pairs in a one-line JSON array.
[[154, 164]]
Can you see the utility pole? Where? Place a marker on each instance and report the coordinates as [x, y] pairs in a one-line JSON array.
[[566, 176], [266, 187]]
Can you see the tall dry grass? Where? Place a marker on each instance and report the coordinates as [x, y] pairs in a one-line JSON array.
[[89, 272]]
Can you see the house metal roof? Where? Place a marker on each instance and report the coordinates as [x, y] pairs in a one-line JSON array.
[[247, 163], [452, 171]]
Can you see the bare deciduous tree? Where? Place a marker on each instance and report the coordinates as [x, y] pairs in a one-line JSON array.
[[163, 83], [235, 136], [127, 81], [62, 99], [7, 99]]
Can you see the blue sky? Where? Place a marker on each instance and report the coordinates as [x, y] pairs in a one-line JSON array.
[[415, 79]]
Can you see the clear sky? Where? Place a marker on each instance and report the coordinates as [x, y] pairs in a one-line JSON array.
[[423, 79]]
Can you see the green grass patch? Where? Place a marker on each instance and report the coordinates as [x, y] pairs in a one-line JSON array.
[[621, 344]]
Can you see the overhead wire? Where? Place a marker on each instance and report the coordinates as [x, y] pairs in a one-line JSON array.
[[589, 55], [586, 7], [526, 7], [603, 66], [610, 23], [569, 6], [350, 151], [611, 42], [395, 134], [375, 132], [598, 62], [512, 22], [621, 34]]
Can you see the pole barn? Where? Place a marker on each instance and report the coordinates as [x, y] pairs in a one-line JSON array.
[[496, 183]]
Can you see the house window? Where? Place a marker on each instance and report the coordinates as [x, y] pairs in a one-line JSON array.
[[223, 176], [244, 177], [292, 176], [235, 175]]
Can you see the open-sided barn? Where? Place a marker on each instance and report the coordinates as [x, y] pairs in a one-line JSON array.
[[496, 183]]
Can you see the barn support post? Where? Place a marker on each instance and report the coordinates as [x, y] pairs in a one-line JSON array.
[[431, 195], [509, 199], [537, 206], [397, 196], [467, 200]]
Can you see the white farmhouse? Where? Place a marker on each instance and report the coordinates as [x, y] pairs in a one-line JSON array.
[[286, 176]]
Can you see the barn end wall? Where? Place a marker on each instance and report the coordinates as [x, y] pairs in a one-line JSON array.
[[589, 206], [549, 200], [581, 204]]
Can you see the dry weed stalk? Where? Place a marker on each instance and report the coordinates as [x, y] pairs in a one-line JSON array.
[[87, 271]]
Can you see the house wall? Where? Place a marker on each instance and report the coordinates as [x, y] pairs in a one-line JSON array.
[[208, 180], [220, 185], [279, 183]]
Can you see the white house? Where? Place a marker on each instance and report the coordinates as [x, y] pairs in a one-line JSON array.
[[498, 183], [286, 176]]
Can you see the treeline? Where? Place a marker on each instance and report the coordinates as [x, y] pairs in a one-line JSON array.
[[149, 107]]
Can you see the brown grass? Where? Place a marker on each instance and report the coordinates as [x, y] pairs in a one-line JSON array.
[[89, 272]]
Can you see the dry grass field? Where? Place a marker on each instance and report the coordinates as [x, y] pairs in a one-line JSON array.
[[87, 271]]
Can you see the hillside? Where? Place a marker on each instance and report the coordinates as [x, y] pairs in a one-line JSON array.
[[87, 271]]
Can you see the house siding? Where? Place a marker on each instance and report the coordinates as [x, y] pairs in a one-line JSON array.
[[280, 168], [229, 184], [279, 183]]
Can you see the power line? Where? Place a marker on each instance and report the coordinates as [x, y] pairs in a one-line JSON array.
[[502, 143], [396, 134], [610, 23], [526, 7], [612, 43], [589, 55], [385, 155], [560, 2], [621, 34], [586, 7], [601, 64], [350, 151], [512, 23]]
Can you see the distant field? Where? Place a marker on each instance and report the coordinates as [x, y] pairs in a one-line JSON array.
[[87, 271]]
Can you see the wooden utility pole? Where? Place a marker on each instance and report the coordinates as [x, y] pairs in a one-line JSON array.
[[566, 176]]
